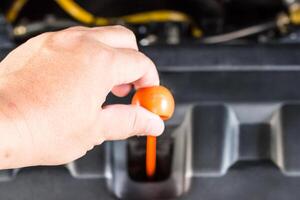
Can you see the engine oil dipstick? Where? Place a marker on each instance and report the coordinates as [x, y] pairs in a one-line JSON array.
[[160, 101]]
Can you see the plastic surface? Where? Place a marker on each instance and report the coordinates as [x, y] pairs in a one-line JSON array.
[[234, 134]]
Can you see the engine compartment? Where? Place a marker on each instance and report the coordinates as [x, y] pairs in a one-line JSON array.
[[233, 67], [163, 22]]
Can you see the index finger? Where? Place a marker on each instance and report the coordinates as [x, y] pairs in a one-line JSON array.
[[131, 66]]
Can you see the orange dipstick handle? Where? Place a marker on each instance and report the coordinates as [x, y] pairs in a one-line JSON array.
[[160, 101]]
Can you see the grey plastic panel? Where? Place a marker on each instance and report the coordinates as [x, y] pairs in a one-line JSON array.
[[175, 185], [271, 135], [254, 142], [246, 95], [90, 166], [287, 139], [222, 135], [7, 175], [214, 139]]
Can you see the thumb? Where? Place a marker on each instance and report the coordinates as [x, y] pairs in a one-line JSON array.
[[123, 121]]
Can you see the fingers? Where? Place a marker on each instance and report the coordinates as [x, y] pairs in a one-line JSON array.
[[118, 48], [137, 68], [122, 121], [115, 36], [121, 90], [130, 66]]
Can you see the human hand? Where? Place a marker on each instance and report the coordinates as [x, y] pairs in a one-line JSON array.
[[52, 89]]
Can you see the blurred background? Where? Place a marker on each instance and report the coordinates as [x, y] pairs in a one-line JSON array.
[[162, 21]]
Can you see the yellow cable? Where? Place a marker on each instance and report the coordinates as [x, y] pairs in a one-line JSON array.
[[156, 16], [294, 13], [197, 32], [15, 9], [80, 14]]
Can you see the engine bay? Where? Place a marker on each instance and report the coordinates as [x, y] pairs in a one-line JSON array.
[[163, 22], [233, 67]]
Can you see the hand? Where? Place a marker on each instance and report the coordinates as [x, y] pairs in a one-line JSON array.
[[52, 89]]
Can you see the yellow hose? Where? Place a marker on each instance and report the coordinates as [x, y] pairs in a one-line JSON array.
[[15, 9], [156, 16], [80, 14], [83, 16], [294, 13]]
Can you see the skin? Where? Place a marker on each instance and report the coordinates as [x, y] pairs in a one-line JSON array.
[[52, 89]]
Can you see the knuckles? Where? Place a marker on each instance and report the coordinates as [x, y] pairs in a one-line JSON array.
[[125, 30], [77, 40], [78, 36], [76, 43], [67, 39]]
